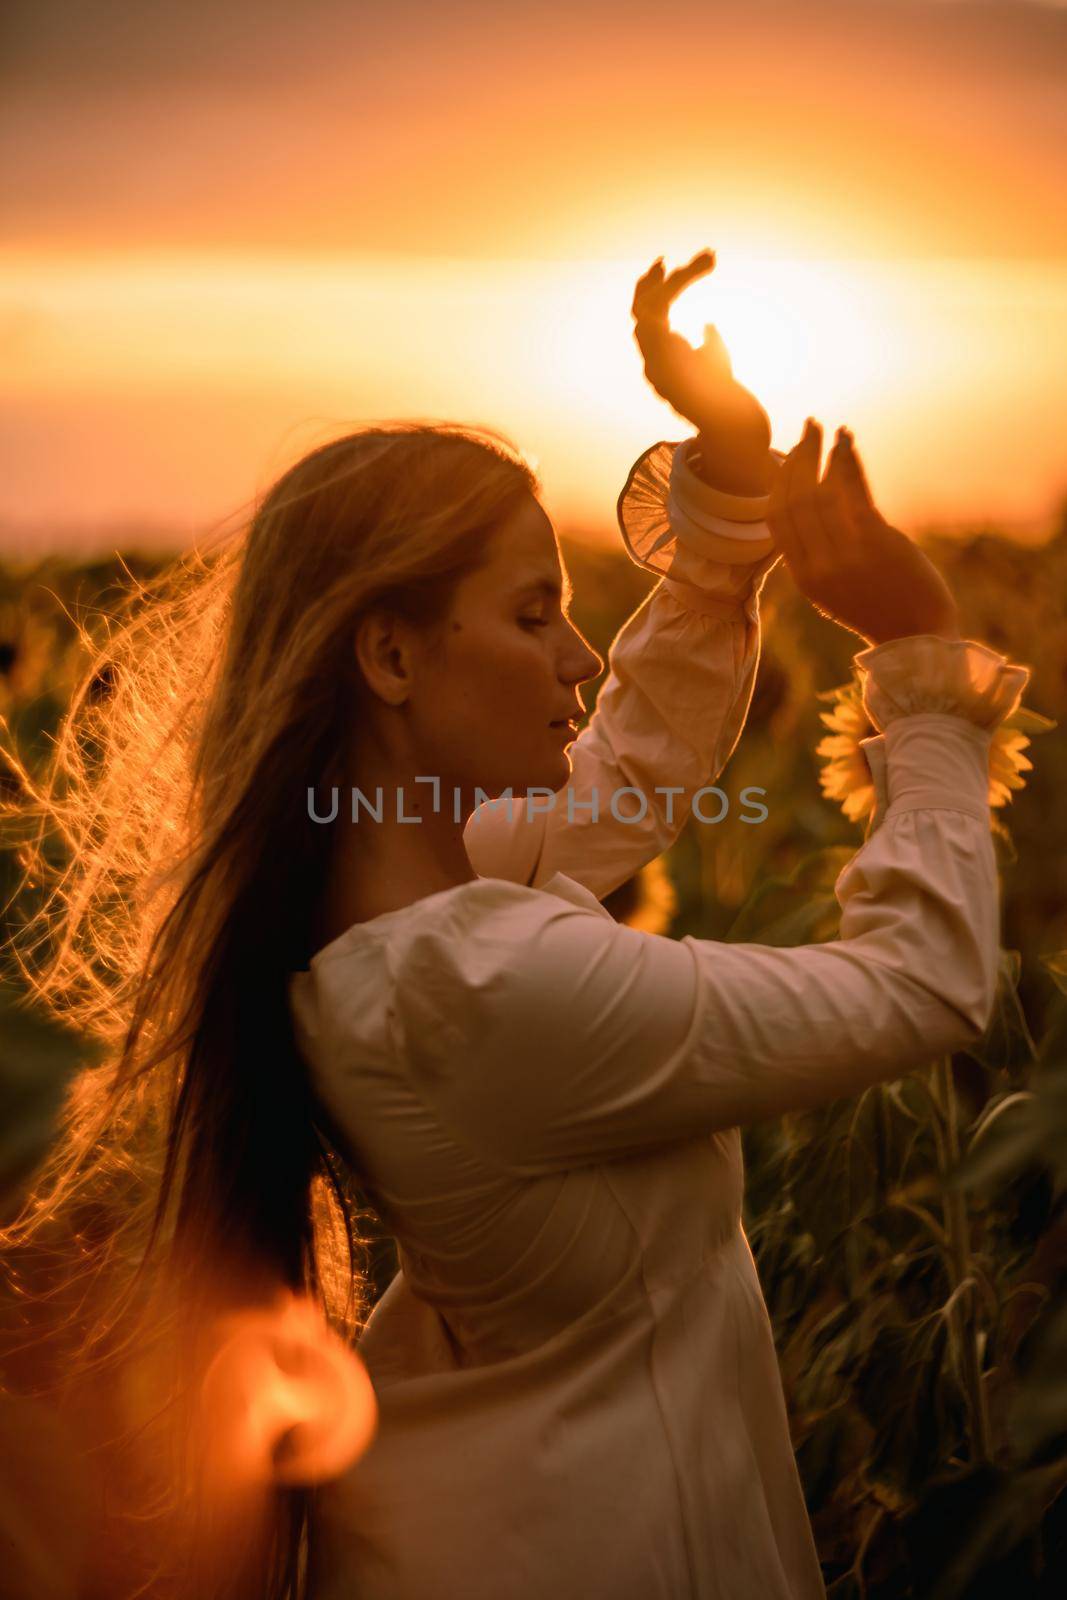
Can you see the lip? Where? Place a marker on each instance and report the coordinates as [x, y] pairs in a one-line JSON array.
[[568, 725]]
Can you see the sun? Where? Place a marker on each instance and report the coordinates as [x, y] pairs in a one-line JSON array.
[[808, 337], [801, 335]]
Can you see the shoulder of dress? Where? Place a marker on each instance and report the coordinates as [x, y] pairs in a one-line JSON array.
[[475, 939], [493, 948], [428, 911], [448, 914], [426, 954]]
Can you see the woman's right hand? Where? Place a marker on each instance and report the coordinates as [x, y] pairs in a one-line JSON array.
[[843, 555]]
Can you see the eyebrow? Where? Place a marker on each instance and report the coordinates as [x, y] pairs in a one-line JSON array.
[[549, 587]]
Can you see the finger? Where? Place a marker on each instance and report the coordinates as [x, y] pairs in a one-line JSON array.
[[805, 473], [802, 492], [833, 476], [716, 351], [835, 506], [854, 479], [701, 264], [779, 516], [696, 267], [654, 273], [649, 300], [655, 293]]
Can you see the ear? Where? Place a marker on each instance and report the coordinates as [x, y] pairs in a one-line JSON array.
[[284, 1401], [386, 652]]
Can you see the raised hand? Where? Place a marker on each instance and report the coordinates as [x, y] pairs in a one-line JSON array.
[[735, 432], [842, 553]]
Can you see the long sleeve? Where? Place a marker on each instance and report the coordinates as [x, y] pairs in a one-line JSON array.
[[547, 1037], [681, 673]]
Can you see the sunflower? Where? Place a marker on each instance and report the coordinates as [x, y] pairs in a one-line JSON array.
[[657, 903], [846, 777], [1006, 760]]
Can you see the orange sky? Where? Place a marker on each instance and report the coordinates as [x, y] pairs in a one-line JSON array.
[[230, 231]]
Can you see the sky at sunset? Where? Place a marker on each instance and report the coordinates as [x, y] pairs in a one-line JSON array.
[[231, 232]]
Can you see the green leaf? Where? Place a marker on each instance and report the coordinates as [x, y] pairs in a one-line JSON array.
[[1027, 721], [1010, 1141], [904, 1388], [800, 908], [833, 1174]]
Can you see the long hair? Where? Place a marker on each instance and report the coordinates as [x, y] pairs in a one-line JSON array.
[[177, 874]]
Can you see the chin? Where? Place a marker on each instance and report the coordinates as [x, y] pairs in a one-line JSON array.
[[559, 778], [557, 771], [552, 774]]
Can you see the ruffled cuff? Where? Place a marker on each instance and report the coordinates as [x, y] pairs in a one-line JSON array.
[[713, 550], [924, 672]]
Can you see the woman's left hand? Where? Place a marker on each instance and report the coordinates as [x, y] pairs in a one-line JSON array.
[[735, 431]]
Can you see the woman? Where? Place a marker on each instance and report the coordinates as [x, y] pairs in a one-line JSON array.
[[576, 1379]]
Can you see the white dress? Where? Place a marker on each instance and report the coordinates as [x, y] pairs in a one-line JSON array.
[[578, 1387]]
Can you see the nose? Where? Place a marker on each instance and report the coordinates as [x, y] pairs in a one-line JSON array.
[[580, 661]]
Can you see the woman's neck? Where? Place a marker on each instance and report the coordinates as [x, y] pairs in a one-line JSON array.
[[377, 866]]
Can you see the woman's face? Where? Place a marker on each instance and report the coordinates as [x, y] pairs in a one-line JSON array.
[[492, 710]]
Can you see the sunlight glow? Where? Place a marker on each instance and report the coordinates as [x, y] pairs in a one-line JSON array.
[[794, 326], [176, 387]]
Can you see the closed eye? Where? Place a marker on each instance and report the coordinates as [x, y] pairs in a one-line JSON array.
[[533, 622]]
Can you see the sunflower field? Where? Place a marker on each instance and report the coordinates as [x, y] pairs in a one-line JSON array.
[[911, 1242]]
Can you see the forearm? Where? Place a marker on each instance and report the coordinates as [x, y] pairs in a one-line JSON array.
[[668, 715], [667, 718]]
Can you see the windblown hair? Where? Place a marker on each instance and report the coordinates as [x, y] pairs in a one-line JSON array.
[[177, 875]]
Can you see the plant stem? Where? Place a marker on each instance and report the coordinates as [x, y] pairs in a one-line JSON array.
[[964, 1318]]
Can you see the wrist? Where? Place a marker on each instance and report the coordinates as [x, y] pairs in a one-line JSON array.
[[724, 527], [746, 470], [945, 628]]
